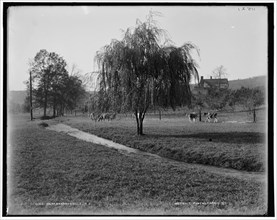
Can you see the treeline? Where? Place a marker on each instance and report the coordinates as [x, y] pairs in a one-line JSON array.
[[243, 98], [51, 86]]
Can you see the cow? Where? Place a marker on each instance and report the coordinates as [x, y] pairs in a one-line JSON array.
[[192, 117], [111, 116], [106, 116], [101, 117], [210, 116], [91, 116]]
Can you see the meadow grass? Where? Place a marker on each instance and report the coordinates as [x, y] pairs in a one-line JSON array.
[[53, 173], [239, 146]]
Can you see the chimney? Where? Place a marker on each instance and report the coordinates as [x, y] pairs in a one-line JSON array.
[[211, 77]]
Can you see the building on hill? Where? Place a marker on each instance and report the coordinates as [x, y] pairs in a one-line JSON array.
[[206, 84]]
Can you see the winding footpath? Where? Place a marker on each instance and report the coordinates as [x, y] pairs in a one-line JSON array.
[[243, 175]]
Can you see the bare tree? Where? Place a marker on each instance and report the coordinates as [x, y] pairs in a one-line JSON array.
[[219, 72], [74, 71]]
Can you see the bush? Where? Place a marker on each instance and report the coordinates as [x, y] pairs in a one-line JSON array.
[[46, 117], [43, 124]]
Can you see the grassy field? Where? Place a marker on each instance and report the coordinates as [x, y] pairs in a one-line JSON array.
[[53, 173], [239, 146]]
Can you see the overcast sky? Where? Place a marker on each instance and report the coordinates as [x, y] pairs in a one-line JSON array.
[[234, 37]]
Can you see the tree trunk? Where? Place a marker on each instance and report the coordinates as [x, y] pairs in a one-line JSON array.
[[139, 119], [199, 115], [254, 115], [54, 110], [45, 105], [62, 110], [141, 126], [31, 100], [45, 101]]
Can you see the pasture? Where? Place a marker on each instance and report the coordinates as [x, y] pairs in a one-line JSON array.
[[225, 144], [53, 173]]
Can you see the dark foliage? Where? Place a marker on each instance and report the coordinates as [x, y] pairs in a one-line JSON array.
[[52, 85], [139, 71], [226, 98]]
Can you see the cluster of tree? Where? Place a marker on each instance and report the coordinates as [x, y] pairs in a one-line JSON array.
[[51, 86], [249, 98], [219, 99], [139, 72]]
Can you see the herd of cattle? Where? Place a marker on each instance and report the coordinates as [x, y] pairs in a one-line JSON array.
[[102, 117], [192, 116], [209, 116]]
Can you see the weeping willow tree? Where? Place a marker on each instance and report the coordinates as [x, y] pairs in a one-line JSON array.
[[140, 71]]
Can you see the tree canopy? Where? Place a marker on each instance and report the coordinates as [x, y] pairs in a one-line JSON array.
[[140, 71], [53, 86]]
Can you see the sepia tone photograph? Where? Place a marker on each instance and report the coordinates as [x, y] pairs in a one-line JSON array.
[[146, 109]]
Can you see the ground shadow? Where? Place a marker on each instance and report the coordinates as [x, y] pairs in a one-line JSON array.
[[228, 137]]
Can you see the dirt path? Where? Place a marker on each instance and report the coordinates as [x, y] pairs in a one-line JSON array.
[[134, 152]]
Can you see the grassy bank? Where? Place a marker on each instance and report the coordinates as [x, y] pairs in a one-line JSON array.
[[53, 173], [230, 145]]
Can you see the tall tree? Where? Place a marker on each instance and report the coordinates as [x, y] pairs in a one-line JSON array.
[[74, 91], [31, 95], [47, 69], [59, 76], [219, 72], [139, 71], [249, 98], [28, 102]]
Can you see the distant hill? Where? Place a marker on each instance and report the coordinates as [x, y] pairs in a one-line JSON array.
[[253, 82], [17, 97]]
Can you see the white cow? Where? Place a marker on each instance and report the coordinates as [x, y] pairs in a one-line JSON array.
[[192, 117], [93, 116], [101, 117], [210, 116]]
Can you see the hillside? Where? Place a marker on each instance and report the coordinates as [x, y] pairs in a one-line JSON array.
[[18, 97], [253, 82]]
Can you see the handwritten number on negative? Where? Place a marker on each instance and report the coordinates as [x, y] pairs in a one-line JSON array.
[[246, 9]]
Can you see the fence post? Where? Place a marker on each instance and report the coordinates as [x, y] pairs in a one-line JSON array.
[[199, 114], [31, 99], [254, 115]]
